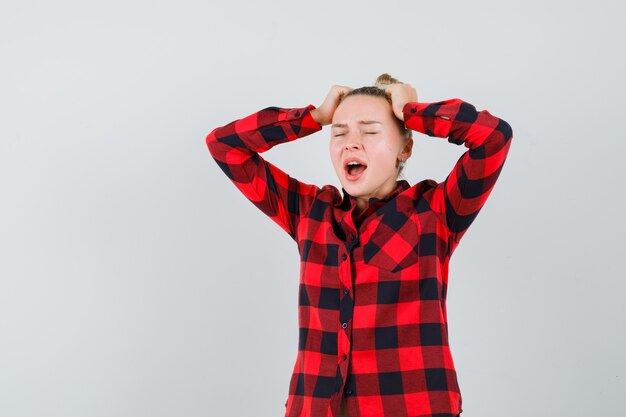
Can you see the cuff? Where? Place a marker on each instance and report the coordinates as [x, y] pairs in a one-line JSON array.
[[413, 109], [303, 115]]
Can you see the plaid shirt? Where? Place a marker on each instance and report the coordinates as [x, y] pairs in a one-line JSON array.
[[372, 290]]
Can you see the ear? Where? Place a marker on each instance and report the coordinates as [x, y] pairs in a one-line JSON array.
[[407, 151]]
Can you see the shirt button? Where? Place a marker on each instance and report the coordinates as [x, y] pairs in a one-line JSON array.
[[348, 391], [346, 291], [413, 110], [297, 114], [345, 357], [344, 257], [344, 325]]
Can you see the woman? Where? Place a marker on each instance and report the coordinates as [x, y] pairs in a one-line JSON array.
[[373, 334]]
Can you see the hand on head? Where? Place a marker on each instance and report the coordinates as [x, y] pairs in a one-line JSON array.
[[323, 115], [400, 94]]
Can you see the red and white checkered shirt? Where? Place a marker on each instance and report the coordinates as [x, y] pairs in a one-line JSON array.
[[372, 290]]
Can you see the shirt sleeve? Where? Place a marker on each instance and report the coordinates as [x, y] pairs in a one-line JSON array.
[[236, 147], [460, 197]]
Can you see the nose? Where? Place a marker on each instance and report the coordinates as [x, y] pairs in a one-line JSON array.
[[353, 142]]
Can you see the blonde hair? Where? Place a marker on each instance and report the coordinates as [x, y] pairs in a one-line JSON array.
[[385, 80], [378, 90]]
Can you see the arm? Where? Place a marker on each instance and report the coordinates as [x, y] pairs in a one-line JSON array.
[[236, 147], [464, 192]]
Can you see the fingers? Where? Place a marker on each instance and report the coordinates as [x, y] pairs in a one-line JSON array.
[[325, 113], [335, 94], [338, 91], [400, 94]]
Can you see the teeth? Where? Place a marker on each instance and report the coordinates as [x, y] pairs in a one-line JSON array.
[[353, 163]]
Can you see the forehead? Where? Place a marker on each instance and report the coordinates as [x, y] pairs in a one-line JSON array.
[[362, 107]]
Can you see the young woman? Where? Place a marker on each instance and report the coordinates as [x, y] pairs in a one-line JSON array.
[[373, 334]]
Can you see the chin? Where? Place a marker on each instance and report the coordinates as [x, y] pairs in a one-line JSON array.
[[355, 190]]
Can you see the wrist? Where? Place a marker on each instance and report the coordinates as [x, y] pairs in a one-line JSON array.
[[315, 113], [317, 116]]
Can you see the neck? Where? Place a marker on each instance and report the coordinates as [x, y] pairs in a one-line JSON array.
[[361, 204]]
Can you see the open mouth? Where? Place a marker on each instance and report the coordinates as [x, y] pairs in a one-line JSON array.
[[354, 169]]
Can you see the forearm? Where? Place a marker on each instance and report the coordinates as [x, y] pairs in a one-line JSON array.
[[464, 192], [458, 121], [236, 147], [260, 131]]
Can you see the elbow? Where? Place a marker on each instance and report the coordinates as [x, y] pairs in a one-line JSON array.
[[505, 129], [211, 142]]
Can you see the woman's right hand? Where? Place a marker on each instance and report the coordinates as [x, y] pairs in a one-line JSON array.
[[323, 115]]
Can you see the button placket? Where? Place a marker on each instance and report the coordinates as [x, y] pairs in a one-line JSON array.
[[346, 304]]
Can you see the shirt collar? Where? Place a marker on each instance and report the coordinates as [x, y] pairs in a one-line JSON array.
[[349, 201]]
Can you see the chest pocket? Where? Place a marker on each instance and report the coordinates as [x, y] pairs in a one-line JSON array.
[[393, 242]]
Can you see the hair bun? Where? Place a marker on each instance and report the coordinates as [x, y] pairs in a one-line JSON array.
[[385, 80]]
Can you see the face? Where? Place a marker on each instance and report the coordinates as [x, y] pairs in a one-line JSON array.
[[366, 145]]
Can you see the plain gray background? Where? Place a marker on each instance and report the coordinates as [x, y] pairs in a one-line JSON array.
[[135, 280]]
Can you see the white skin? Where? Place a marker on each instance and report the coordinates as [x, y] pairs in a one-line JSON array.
[[364, 128]]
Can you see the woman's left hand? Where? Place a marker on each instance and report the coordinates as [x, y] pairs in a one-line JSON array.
[[400, 94]]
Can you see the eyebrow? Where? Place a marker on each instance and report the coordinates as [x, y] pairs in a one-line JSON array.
[[362, 122]]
